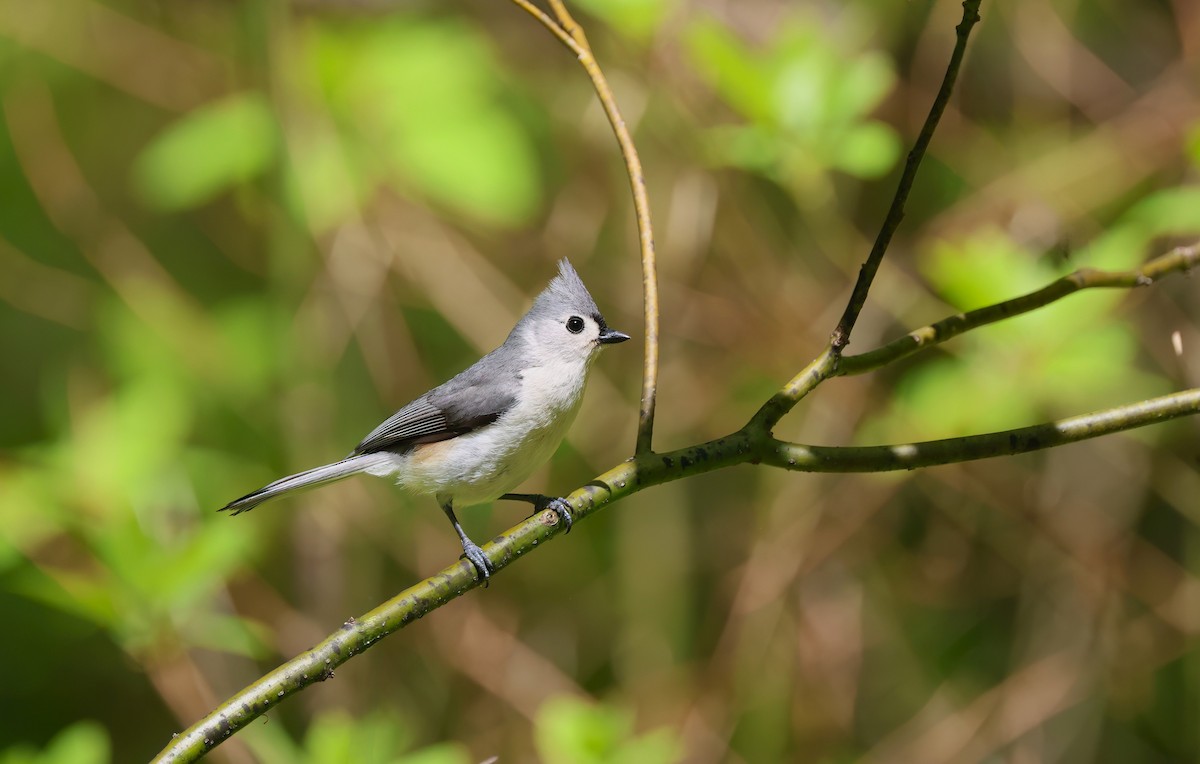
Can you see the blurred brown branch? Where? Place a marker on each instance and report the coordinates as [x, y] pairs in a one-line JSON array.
[[116, 49]]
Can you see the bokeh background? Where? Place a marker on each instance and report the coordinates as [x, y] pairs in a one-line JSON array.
[[236, 234]]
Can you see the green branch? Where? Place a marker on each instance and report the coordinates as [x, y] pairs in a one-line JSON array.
[[907, 456], [1178, 260], [818, 370]]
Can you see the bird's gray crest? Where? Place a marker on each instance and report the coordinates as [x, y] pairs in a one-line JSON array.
[[565, 292]]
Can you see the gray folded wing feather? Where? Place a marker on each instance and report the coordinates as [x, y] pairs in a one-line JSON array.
[[461, 405]]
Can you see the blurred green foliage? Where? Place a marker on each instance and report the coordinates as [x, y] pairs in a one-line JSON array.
[[377, 738], [635, 19], [571, 730], [81, 743], [1070, 347], [208, 152], [234, 236], [401, 101], [419, 103], [807, 100]]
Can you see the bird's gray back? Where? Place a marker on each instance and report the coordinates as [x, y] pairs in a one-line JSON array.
[[477, 396]]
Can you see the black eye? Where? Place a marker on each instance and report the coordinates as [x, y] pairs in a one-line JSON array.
[[574, 324]]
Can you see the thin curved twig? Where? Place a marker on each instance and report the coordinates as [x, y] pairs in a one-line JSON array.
[[570, 34]]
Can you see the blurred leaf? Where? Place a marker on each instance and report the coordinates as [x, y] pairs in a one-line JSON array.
[[149, 418], [30, 505], [229, 634], [87, 596], [84, 742], [806, 97], [322, 179], [273, 742], [480, 164], [196, 564], [750, 147], [1193, 145], [421, 99], [1118, 248], [444, 753], [19, 754], [869, 150], [378, 738], [861, 86], [250, 332], [568, 729], [637, 19], [1066, 358], [207, 152], [801, 87], [658, 746], [981, 270], [1170, 211], [728, 66], [331, 738], [946, 398], [1082, 367]]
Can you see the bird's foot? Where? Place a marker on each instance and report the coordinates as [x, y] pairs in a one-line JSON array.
[[483, 566], [560, 507]]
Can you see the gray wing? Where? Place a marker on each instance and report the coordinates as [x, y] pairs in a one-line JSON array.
[[465, 403]]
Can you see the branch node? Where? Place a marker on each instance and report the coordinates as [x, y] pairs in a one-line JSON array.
[[839, 340]]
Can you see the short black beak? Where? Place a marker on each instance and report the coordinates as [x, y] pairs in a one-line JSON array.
[[611, 336]]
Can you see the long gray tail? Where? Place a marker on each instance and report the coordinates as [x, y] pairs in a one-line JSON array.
[[304, 480]]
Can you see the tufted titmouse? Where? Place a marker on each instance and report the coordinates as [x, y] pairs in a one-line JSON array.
[[476, 437]]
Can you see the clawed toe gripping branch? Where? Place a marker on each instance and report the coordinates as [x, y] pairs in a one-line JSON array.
[[754, 443]]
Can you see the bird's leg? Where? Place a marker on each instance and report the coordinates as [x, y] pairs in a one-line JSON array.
[[540, 503], [483, 566]]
